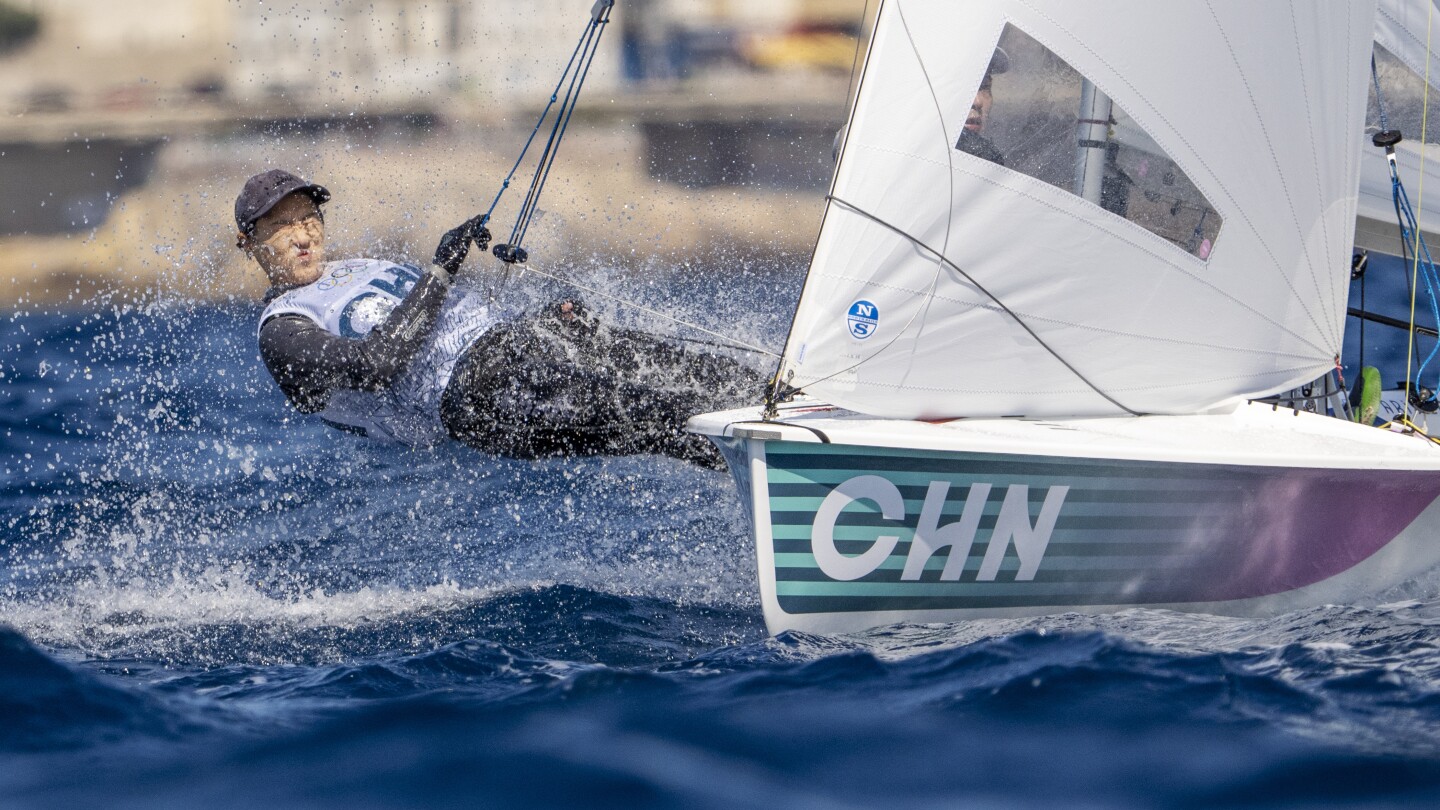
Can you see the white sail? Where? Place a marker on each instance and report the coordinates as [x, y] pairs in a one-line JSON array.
[[1407, 29], [1410, 31], [1046, 303]]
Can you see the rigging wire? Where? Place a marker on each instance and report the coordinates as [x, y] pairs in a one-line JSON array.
[[1388, 138], [727, 341], [1384, 127], [1413, 246], [1001, 304], [590, 42], [942, 261], [923, 313], [1410, 234], [572, 80], [554, 95], [1359, 264], [773, 392], [1419, 242], [577, 69], [850, 88]]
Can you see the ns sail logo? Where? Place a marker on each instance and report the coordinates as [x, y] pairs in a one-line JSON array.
[[862, 319]]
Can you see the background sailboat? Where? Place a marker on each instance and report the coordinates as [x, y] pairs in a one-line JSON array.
[[1033, 365]]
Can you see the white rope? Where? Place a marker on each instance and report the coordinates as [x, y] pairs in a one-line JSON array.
[[526, 268]]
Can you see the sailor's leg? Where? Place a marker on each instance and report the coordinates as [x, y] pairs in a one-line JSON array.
[[513, 393], [552, 386], [655, 386]]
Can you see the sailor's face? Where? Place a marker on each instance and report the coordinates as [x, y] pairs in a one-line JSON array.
[[980, 109], [289, 241]]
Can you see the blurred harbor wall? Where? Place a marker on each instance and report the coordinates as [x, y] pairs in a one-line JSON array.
[[704, 135]]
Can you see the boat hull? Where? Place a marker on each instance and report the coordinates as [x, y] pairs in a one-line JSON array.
[[852, 535]]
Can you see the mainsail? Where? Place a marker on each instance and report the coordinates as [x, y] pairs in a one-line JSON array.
[[1406, 28], [955, 278]]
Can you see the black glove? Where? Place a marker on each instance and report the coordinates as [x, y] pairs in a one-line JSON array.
[[455, 244]]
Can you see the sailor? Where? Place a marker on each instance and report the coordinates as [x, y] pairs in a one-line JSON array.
[[398, 352], [971, 140]]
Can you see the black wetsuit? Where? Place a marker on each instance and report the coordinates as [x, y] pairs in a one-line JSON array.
[[980, 146], [549, 384], [308, 362]]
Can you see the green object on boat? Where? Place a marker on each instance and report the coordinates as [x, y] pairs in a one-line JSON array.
[[1365, 396]]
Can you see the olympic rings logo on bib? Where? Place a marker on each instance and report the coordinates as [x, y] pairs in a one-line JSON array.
[[340, 275]]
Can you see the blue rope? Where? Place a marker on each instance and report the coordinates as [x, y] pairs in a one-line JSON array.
[[1410, 233], [1409, 230]]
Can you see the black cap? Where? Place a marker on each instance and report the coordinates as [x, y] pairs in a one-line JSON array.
[[264, 190], [999, 61]]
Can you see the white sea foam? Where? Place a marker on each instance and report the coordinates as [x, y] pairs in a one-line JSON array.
[[99, 613]]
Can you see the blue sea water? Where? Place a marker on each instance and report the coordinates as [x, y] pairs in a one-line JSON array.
[[206, 600]]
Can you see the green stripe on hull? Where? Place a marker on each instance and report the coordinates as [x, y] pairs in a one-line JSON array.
[[1134, 495], [1116, 524], [797, 562], [969, 589], [901, 604], [1100, 523]]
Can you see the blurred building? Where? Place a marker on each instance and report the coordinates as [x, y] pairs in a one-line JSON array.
[[396, 54], [409, 53], [92, 100], [361, 54], [669, 40], [92, 54]]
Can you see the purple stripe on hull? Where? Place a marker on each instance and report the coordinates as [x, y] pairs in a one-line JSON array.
[[1297, 527]]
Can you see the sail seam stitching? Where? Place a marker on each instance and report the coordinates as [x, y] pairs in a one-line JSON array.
[[1167, 261], [1403, 30], [945, 261], [1072, 324], [924, 311], [1189, 151], [854, 106], [1279, 175], [935, 389], [1329, 289]]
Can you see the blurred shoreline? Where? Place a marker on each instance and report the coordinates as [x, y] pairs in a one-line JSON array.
[[703, 136], [397, 188]]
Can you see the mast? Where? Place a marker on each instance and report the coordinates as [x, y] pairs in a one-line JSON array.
[[1092, 140]]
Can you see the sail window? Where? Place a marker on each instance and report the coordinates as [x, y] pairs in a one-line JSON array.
[[1037, 115]]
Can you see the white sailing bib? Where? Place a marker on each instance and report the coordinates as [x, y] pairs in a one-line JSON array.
[[354, 296]]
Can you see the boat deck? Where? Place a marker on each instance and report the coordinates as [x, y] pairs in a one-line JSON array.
[[1251, 433]]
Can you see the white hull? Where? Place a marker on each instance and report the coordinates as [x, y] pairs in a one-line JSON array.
[[1249, 512]]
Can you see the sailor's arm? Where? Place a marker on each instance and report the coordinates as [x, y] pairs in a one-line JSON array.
[[309, 363]]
